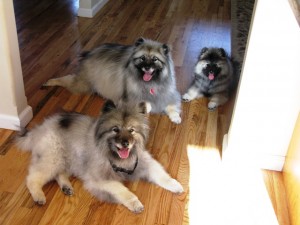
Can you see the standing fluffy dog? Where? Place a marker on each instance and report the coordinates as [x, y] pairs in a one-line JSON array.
[[143, 72], [101, 152], [213, 77]]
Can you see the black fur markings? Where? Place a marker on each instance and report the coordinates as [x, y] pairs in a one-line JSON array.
[[139, 41], [212, 68], [66, 120], [212, 57], [166, 49], [125, 93], [112, 47], [84, 55], [108, 106], [123, 170], [155, 76], [99, 133], [125, 114], [142, 107]]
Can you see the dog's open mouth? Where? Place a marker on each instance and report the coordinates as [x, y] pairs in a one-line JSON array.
[[123, 152], [211, 76], [148, 74]]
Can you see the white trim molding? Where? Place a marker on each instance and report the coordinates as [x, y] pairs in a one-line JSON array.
[[89, 10], [16, 122], [14, 109], [262, 161]]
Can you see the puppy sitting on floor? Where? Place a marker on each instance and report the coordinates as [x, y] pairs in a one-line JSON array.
[[214, 78], [102, 152]]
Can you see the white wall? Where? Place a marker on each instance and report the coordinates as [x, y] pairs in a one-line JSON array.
[[14, 111], [89, 8], [268, 99]]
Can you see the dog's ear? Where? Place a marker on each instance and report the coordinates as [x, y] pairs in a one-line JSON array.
[[108, 106], [203, 50], [144, 107], [166, 49], [223, 52], [139, 41]]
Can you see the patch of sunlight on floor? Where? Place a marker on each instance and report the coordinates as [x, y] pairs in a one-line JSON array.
[[221, 193]]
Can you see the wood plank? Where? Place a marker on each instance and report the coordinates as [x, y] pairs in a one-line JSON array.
[[50, 38], [291, 176], [277, 193]]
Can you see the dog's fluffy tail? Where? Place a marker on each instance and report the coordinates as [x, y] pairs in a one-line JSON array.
[[23, 139]]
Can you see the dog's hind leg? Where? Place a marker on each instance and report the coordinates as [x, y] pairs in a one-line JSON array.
[[72, 82], [36, 179], [64, 184], [119, 193]]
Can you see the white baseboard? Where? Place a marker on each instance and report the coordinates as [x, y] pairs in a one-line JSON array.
[[16, 122], [84, 12], [263, 161], [272, 162]]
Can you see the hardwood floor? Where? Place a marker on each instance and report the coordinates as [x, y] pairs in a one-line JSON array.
[[50, 38]]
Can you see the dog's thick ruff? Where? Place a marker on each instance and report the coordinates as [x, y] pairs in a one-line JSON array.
[[214, 78], [143, 72], [99, 151]]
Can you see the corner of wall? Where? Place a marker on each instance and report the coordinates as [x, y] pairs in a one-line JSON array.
[[16, 122], [90, 10]]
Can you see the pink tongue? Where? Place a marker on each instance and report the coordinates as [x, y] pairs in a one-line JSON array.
[[147, 76], [211, 76], [123, 153]]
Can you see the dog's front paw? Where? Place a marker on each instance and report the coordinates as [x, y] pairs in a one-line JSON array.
[[212, 106], [173, 111], [175, 117], [175, 186], [186, 97], [171, 185], [135, 206], [148, 107]]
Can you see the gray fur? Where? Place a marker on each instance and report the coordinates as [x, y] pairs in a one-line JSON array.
[[213, 61], [116, 72], [87, 148]]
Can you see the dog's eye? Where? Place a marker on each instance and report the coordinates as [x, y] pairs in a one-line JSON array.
[[154, 59], [116, 129], [143, 58], [131, 130]]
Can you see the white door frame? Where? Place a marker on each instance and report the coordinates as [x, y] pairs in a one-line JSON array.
[[14, 110], [268, 97]]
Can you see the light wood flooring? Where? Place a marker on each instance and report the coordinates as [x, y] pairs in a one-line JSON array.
[[50, 37]]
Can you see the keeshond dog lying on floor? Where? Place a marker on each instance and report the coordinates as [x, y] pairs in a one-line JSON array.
[[214, 78], [143, 72], [102, 152]]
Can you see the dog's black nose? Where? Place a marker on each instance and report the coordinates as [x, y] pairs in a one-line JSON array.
[[125, 143]]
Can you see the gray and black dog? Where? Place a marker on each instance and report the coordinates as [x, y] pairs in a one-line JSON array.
[[102, 152], [142, 72], [214, 77]]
